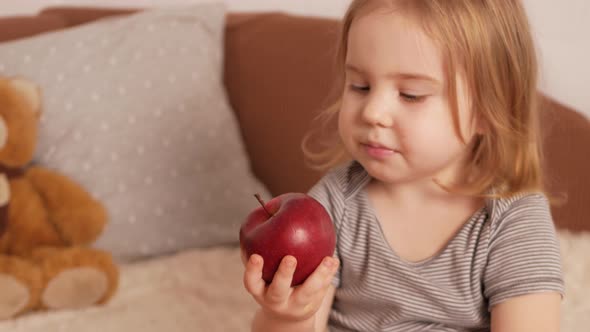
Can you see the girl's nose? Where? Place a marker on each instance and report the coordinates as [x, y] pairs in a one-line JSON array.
[[378, 111]]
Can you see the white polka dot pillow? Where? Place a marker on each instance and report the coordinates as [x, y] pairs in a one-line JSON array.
[[135, 110]]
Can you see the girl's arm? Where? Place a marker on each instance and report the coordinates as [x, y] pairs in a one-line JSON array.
[[537, 312], [523, 279]]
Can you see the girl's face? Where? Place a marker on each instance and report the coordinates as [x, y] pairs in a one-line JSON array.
[[395, 119]]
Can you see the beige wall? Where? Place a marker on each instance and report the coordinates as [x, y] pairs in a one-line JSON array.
[[562, 30]]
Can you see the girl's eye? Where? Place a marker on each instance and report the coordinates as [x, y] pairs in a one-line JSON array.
[[411, 98], [360, 88]]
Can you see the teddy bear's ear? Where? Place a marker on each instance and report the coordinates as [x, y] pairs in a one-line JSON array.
[[30, 91]]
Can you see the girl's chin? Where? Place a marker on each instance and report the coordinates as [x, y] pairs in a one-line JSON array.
[[382, 171]]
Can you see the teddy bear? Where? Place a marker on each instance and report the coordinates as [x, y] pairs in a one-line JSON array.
[[47, 221]]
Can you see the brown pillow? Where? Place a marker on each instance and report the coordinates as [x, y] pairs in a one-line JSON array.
[[78, 15], [23, 26], [567, 163], [278, 73]]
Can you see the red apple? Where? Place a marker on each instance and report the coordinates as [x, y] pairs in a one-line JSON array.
[[289, 224]]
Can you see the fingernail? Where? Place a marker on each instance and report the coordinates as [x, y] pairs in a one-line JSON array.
[[254, 260], [328, 262]]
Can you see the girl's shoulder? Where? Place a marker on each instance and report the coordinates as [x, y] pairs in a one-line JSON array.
[[501, 206], [520, 210], [335, 189]]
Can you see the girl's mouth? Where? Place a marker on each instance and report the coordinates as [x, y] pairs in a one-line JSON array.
[[377, 151]]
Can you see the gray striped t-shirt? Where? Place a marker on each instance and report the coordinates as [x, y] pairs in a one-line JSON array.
[[507, 248]]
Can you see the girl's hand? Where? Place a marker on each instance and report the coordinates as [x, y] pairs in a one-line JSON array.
[[279, 299]]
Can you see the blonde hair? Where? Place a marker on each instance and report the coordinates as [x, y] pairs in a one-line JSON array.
[[490, 43]]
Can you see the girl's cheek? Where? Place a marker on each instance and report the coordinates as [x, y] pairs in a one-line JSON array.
[[413, 136]]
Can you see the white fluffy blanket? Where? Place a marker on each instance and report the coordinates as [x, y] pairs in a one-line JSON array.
[[201, 290]]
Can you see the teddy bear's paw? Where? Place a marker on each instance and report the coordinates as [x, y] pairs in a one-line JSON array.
[[76, 287], [14, 296]]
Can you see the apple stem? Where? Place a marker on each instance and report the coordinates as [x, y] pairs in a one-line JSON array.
[[262, 203]]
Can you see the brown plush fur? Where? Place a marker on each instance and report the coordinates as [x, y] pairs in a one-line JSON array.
[[21, 122], [51, 219]]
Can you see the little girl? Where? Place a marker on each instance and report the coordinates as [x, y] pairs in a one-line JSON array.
[[435, 187]]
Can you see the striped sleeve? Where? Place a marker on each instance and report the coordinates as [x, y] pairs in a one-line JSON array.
[[523, 253], [328, 192]]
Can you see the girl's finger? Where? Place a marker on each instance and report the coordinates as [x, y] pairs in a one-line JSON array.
[[253, 276], [320, 279], [280, 287]]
